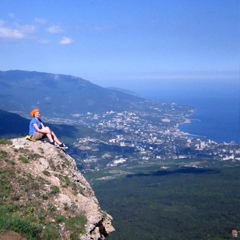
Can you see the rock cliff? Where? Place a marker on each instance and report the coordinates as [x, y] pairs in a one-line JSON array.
[[41, 185]]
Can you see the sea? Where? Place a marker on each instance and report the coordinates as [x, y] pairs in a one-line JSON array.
[[217, 105]]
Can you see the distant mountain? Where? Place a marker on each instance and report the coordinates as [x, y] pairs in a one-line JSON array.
[[59, 95], [124, 90]]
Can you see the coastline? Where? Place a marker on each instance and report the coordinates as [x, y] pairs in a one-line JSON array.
[[187, 134], [216, 110]]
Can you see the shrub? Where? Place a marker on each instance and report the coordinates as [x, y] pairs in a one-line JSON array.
[[5, 141], [11, 222], [23, 159], [50, 233], [3, 154], [51, 207], [47, 173], [15, 197], [76, 226], [55, 190], [5, 176]]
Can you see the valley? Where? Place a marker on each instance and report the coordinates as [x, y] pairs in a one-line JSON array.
[[166, 201]]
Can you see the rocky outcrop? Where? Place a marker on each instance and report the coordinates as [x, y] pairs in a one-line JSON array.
[[56, 187]]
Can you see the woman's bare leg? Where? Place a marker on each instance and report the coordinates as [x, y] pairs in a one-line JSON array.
[[55, 138], [51, 135], [48, 134]]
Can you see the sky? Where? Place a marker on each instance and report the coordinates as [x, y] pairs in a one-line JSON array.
[[122, 42]]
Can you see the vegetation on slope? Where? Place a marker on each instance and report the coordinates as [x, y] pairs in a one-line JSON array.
[[26, 201], [175, 203]]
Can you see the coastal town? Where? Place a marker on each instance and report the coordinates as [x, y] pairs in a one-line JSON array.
[[144, 136]]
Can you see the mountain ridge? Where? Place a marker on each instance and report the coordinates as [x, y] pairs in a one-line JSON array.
[[59, 95]]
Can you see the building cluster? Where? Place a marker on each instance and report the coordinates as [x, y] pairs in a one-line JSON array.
[[149, 135]]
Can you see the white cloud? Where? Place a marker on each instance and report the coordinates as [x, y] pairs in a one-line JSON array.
[[55, 29], [16, 32], [40, 20], [66, 41], [8, 33]]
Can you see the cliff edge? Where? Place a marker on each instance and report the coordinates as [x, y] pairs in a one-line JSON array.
[[41, 187]]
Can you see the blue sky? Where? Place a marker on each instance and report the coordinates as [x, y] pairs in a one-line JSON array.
[[122, 42]]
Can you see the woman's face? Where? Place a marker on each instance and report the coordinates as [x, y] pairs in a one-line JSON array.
[[37, 114]]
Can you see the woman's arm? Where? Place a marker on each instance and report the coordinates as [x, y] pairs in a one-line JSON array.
[[42, 130]]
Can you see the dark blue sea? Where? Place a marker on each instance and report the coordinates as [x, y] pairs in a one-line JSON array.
[[217, 105]]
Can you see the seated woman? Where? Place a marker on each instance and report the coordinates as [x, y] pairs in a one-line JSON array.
[[38, 131]]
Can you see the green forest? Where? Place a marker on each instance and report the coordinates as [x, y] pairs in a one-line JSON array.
[[176, 203]]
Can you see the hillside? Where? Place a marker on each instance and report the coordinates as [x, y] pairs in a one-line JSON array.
[[44, 196], [12, 125], [167, 201], [59, 95]]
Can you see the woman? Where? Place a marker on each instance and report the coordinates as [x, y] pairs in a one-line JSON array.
[[38, 131]]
